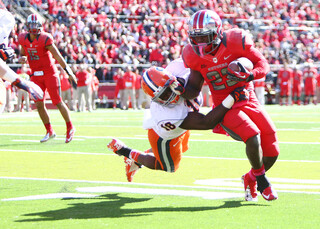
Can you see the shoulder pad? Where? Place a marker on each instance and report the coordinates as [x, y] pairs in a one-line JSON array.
[[190, 58], [236, 38], [22, 37], [46, 38]]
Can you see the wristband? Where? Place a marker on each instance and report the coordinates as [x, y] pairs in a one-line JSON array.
[[250, 78], [68, 70], [228, 102]]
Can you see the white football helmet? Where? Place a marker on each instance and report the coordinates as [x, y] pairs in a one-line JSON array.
[[34, 24], [205, 31]]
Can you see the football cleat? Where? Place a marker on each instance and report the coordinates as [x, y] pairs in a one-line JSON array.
[[269, 194], [250, 188], [69, 135], [131, 168], [48, 136], [115, 145]]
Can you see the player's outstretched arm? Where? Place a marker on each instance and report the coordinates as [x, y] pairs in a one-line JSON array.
[[198, 121]]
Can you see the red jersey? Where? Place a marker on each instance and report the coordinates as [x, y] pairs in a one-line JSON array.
[[64, 81], [138, 81], [285, 76], [129, 79], [120, 83], [95, 83], [297, 78], [83, 78], [234, 44], [39, 57], [310, 76]]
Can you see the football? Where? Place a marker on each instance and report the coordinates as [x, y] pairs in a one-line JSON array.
[[244, 61]]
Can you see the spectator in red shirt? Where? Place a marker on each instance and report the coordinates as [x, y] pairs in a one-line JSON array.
[[66, 90], [297, 85], [309, 75], [94, 89], [156, 57], [285, 77], [23, 96], [84, 87], [119, 91], [130, 81], [143, 100]]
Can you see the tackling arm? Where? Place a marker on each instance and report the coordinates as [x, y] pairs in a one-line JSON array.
[[194, 85], [198, 121]]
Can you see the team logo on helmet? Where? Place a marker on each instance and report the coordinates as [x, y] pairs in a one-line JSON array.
[[155, 83]]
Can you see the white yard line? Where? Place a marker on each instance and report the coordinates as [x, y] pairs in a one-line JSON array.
[[145, 138], [211, 184], [111, 154]]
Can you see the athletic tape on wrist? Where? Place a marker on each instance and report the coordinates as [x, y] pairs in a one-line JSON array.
[[228, 102]]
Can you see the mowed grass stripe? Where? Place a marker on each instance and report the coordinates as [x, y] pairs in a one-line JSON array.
[[112, 154], [145, 138]]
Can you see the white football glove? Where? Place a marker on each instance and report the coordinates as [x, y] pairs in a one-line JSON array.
[[177, 86]]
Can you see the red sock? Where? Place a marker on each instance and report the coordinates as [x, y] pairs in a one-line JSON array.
[[147, 151], [69, 125], [134, 155], [48, 127], [256, 172]]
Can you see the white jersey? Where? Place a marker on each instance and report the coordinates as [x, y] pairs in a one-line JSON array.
[[7, 23], [165, 120]]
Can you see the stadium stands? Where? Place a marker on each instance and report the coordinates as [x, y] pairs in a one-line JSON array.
[[140, 33]]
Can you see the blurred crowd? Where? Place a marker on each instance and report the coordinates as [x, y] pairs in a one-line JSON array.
[[106, 34]]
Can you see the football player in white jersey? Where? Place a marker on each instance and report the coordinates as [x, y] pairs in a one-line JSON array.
[[6, 53], [169, 120]]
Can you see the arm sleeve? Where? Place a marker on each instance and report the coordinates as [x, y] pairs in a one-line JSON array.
[[261, 65]]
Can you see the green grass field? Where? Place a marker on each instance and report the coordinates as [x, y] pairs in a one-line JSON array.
[[82, 185]]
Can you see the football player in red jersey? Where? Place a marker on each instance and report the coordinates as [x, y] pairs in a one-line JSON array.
[[310, 74], [39, 49], [208, 55], [7, 23], [297, 85], [285, 78]]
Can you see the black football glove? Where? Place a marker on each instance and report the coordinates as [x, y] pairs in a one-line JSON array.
[[240, 94], [243, 75], [74, 84], [6, 53]]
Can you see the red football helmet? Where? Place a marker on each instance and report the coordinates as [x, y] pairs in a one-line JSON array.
[[205, 31], [34, 24], [155, 83]]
